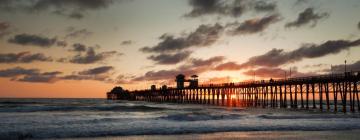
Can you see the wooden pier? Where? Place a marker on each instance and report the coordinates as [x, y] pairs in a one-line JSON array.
[[333, 92]]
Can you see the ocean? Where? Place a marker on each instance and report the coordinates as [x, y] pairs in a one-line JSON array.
[[99, 118]]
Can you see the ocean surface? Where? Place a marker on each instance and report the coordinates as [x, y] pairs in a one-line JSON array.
[[81, 118]]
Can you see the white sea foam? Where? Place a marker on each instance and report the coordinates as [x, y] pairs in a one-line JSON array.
[[20, 118]]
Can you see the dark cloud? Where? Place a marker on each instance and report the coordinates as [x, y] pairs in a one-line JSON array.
[[298, 2], [7, 5], [193, 66], [267, 72], [204, 35], [306, 17], [253, 25], [71, 15], [4, 29], [127, 42], [88, 55], [76, 4], [76, 15], [35, 40], [359, 25], [47, 77], [277, 57], [78, 47], [23, 57], [233, 8], [29, 75], [75, 9], [61, 43], [167, 59], [17, 71], [78, 33], [97, 70], [262, 6], [341, 68], [102, 73], [124, 79]]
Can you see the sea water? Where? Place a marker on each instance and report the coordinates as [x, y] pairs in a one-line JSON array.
[[74, 118]]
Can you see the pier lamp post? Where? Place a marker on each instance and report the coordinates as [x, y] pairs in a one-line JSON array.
[[345, 66], [331, 69], [290, 73], [254, 76]]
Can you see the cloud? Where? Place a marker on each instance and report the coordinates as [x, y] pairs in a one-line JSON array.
[[78, 4], [349, 67], [88, 55], [234, 8], [127, 42], [102, 73], [77, 33], [47, 77], [262, 6], [306, 17], [35, 40], [253, 25], [230, 8], [71, 15], [17, 71], [78, 47], [359, 25], [97, 70], [91, 57], [75, 9], [124, 79], [299, 2], [4, 29], [23, 57], [267, 72], [167, 59], [207, 62], [29, 75], [277, 57], [228, 66], [193, 66], [204, 35]]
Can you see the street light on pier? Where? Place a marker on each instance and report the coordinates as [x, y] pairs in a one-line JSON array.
[[345, 66]]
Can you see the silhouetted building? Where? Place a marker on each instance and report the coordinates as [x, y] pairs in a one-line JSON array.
[[194, 82], [153, 87], [118, 93], [180, 80]]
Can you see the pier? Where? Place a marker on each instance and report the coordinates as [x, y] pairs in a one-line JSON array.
[[332, 92]]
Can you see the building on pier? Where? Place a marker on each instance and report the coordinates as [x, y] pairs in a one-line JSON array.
[[118, 93], [180, 81]]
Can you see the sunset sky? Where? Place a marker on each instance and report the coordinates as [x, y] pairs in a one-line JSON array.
[[83, 48]]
